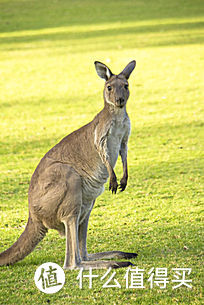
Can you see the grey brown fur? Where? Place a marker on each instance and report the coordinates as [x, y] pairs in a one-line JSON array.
[[72, 175]]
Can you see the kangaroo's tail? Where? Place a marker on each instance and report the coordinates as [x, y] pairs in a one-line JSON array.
[[32, 235]]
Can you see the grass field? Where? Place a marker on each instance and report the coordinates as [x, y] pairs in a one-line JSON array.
[[49, 87]]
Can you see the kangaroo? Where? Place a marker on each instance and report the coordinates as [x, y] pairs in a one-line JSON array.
[[72, 175]]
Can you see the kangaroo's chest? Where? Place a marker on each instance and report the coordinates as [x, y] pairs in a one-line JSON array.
[[116, 134], [111, 140]]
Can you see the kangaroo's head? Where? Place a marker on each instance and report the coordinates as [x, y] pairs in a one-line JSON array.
[[116, 91]]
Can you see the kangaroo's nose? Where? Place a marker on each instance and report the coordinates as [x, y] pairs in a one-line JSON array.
[[120, 100]]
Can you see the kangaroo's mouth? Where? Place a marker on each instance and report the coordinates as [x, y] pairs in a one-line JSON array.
[[120, 105]]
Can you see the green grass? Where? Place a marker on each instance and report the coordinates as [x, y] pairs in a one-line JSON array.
[[49, 88]]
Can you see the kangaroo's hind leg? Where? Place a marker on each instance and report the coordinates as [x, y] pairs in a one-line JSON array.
[[83, 228], [69, 213], [92, 260]]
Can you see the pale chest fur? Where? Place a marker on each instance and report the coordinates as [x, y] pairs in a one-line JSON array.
[[119, 128]]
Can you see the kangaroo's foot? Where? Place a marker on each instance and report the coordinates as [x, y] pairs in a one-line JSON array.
[[99, 265], [111, 255]]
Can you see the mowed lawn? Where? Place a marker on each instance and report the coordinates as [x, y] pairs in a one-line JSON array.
[[49, 87]]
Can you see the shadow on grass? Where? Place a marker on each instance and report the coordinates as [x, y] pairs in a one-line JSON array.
[[132, 36], [22, 15], [28, 15], [95, 33]]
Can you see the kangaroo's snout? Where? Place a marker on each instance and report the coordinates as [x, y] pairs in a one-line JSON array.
[[120, 102]]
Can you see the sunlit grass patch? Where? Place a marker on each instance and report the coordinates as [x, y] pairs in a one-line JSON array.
[[49, 88]]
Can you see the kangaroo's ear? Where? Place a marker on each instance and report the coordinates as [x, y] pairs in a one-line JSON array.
[[102, 70], [128, 69]]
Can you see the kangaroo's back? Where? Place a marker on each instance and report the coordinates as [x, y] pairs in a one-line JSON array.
[[77, 149]]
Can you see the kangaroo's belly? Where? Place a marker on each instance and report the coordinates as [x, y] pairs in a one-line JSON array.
[[114, 149], [92, 187]]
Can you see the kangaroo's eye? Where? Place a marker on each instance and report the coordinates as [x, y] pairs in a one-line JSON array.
[[126, 87], [109, 88]]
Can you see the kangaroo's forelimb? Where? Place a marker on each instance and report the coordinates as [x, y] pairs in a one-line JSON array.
[[123, 154]]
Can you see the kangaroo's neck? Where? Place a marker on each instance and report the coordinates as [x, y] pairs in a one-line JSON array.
[[114, 112]]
